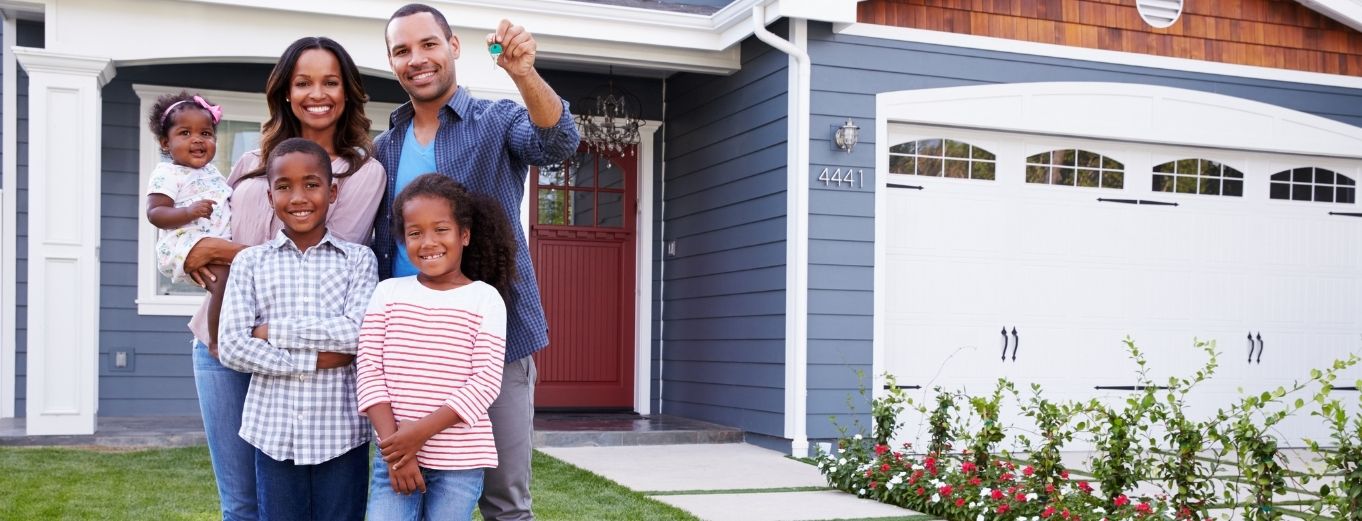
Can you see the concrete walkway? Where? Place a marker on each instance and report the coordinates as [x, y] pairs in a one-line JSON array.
[[727, 481]]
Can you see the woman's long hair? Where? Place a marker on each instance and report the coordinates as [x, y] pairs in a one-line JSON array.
[[352, 141]]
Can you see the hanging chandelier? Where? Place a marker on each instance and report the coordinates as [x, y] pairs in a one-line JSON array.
[[610, 121]]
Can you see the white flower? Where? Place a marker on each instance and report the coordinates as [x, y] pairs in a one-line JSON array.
[[1099, 510], [889, 485], [936, 498], [980, 518], [857, 437], [833, 469], [842, 461], [985, 492], [860, 492], [1032, 496]]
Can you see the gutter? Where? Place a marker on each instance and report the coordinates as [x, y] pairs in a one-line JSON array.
[[796, 230]]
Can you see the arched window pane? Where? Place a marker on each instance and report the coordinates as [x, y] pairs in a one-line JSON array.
[[942, 158], [1197, 176], [1074, 167], [1312, 184]]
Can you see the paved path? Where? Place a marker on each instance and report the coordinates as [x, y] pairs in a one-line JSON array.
[[727, 481]]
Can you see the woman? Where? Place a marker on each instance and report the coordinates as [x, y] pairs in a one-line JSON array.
[[314, 92]]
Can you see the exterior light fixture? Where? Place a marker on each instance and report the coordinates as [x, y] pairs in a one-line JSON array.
[[846, 135], [610, 120]]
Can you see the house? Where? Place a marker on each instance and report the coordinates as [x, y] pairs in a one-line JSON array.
[[1031, 181]]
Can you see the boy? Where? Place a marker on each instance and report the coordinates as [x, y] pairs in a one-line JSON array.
[[291, 317]]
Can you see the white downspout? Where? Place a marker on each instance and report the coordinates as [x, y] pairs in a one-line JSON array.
[[796, 230]]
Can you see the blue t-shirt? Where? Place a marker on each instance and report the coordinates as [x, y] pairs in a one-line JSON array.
[[416, 160]]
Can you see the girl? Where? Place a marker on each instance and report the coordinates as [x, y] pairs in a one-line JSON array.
[[314, 92], [431, 352], [186, 194]]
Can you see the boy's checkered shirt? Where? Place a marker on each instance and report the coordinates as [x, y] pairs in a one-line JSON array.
[[311, 301]]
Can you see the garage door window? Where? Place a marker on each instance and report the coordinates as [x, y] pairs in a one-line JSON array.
[[1312, 184], [1198, 176], [1072, 167], [942, 158]]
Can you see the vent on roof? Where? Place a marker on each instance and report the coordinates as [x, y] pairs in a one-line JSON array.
[[1159, 13]]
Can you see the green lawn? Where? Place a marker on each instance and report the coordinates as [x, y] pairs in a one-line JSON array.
[[177, 484]]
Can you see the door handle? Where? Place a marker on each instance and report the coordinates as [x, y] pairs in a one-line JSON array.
[[1251, 346], [1016, 343], [1260, 348], [1004, 331]]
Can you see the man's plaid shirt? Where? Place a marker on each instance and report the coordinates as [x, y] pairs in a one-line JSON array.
[[489, 147], [312, 301]]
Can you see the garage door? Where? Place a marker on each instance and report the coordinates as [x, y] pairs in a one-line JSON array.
[[1033, 257]]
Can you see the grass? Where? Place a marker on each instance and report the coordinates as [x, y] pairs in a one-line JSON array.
[[177, 484]]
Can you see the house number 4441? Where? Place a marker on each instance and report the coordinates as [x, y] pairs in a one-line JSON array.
[[843, 177]]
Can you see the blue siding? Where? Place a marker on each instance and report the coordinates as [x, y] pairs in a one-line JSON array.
[[847, 73], [27, 34], [724, 291]]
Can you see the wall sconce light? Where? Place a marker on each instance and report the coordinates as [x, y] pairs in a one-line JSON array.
[[846, 135]]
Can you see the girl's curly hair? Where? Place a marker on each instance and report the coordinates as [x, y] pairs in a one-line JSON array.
[[490, 254], [158, 122]]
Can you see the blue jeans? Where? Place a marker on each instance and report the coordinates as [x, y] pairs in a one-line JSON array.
[[333, 490], [222, 394], [450, 494]]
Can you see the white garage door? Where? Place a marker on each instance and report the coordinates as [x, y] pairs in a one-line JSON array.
[[1056, 249]]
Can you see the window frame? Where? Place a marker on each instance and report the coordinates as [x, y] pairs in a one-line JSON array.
[[247, 107]]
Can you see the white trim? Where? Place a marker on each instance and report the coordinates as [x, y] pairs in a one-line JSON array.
[[1131, 113], [9, 216], [64, 101], [236, 106], [1048, 50], [797, 226], [643, 272]]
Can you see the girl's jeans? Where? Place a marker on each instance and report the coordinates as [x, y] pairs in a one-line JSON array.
[[450, 494]]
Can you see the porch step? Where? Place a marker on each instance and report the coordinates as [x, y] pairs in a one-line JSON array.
[[558, 429]]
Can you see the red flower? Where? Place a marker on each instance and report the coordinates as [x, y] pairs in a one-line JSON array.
[[1028, 471], [884, 467], [930, 461], [1007, 476], [872, 484], [1020, 497], [1049, 488], [975, 481], [1049, 511], [946, 490], [997, 494], [881, 449], [1143, 508], [960, 502], [921, 491], [1011, 466], [1064, 514], [1064, 474], [968, 467], [868, 472], [1011, 490], [1003, 508], [1085, 487], [1121, 500]]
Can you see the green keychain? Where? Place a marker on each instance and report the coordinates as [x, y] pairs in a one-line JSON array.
[[495, 49]]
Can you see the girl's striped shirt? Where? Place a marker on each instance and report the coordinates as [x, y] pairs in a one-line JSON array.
[[421, 349]]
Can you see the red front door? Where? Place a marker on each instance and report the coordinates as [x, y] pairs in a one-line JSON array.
[[582, 242]]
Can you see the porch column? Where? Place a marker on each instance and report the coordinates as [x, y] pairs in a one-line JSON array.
[[64, 115]]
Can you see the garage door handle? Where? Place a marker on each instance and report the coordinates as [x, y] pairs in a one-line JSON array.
[[910, 187], [888, 387], [1004, 332], [1016, 342], [1251, 346], [1346, 214], [1260, 349], [1122, 201]]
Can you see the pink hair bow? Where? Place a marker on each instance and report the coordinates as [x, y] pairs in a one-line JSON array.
[[215, 110]]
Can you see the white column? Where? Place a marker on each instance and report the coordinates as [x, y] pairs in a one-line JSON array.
[[64, 114]]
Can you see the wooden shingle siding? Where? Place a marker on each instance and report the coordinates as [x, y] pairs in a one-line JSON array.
[[1280, 34]]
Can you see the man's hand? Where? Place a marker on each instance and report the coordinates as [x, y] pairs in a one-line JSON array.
[[518, 49], [262, 332], [209, 250], [329, 360]]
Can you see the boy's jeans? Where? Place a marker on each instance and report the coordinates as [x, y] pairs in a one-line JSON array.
[[222, 394], [450, 494], [330, 491]]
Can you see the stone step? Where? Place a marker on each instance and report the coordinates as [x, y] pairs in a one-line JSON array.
[[558, 429]]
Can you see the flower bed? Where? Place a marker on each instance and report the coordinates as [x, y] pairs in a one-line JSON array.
[[960, 489]]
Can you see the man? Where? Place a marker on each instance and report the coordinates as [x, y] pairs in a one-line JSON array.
[[488, 146]]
